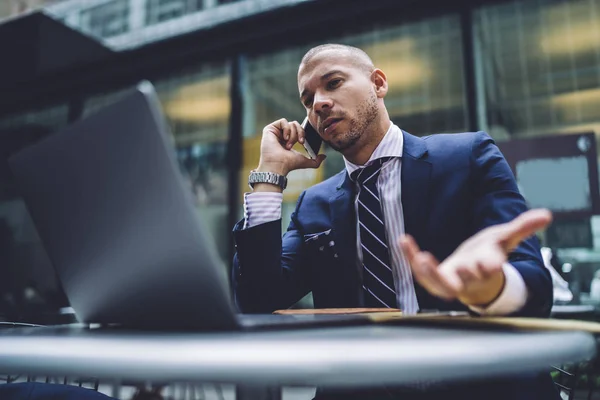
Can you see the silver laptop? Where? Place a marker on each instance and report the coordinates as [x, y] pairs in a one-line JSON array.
[[120, 227]]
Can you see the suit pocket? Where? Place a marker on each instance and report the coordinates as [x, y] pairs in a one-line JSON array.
[[317, 236], [321, 244]]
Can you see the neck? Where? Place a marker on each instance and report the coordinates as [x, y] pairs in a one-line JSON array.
[[362, 151]]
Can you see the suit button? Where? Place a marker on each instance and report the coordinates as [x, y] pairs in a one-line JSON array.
[[321, 248], [331, 244], [335, 255]]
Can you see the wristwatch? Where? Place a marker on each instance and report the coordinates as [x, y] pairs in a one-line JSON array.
[[267, 177]]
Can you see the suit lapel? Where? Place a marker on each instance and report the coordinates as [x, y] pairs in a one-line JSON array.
[[343, 222], [416, 174], [343, 218]]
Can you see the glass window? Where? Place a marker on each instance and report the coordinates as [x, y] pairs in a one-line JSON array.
[[29, 288], [423, 63], [163, 10], [541, 65], [197, 106], [540, 70], [106, 20]]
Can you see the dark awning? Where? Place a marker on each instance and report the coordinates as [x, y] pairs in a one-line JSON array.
[[34, 44]]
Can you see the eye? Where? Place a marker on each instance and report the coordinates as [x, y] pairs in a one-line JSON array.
[[308, 102], [334, 83]]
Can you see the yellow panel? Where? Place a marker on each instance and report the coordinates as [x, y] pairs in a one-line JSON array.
[[298, 180]]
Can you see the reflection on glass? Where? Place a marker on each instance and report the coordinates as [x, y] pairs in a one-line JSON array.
[[196, 105], [164, 10], [541, 65], [107, 19], [206, 172], [423, 64]]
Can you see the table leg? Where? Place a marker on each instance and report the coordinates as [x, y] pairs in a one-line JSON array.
[[243, 392], [116, 389]]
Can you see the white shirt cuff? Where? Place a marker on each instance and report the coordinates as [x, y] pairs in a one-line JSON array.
[[513, 296], [261, 207]]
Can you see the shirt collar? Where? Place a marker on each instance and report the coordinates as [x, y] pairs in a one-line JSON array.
[[390, 146]]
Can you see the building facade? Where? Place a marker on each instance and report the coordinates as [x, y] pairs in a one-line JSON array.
[[9, 8], [125, 24]]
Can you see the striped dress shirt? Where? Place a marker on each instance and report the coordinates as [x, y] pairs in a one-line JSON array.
[[263, 207], [390, 195]]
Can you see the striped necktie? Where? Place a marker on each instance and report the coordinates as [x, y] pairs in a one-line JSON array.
[[378, 279]]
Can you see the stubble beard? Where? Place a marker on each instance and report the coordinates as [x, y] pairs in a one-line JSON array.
[[365, 115]]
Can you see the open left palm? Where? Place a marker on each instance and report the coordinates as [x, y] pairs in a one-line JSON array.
[[473, 273]]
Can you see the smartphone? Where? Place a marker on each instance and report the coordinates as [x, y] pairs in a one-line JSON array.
[[312, 140]]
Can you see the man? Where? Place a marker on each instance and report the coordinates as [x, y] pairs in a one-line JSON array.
[[354, 239]]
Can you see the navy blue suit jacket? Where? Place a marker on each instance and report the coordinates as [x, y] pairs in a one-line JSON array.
[[47, 391], [453, 185]]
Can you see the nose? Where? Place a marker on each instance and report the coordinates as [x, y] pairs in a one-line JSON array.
[[322, 103]]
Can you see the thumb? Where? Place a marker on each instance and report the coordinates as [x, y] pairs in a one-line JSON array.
[[525, 225], [306, 162], [320, 158]]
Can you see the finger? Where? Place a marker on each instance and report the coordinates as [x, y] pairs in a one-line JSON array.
[[448, 281], [491, 262], [409, 247], [319, 160], [425, 268], [279, 126], [487, 272], [470, 274], [421, 265], [305, 162], [293, 136], [301, 134], [286, 131], [525, 225]]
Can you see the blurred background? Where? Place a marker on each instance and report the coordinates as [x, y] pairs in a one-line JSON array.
[[527, 72]]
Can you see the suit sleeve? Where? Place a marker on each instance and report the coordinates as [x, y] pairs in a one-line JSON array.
[[269, 272], [497, 200]]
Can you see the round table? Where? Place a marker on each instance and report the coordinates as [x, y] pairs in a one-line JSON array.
[[338, 357], [586, 312]]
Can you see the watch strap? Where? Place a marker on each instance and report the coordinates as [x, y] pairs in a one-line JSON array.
[[267, 177]]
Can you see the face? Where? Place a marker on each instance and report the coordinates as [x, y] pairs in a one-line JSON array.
[[340, 99]]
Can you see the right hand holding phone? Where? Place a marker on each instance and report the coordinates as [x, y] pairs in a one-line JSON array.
[[276, 153]]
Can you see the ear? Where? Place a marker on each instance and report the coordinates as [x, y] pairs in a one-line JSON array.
[[379, 82]]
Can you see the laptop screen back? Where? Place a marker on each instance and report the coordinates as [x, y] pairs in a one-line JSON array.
[[118, 224]]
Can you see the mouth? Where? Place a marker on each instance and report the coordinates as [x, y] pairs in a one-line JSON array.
[[329, 125]]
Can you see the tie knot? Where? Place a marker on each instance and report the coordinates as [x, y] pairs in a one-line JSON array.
[[369, 173]]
